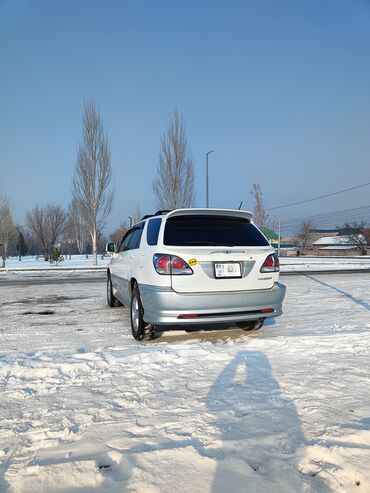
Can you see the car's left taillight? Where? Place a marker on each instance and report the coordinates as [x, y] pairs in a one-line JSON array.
[[271, 264], [171, 264]]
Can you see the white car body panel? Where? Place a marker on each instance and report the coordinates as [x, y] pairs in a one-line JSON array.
[[163, 295]]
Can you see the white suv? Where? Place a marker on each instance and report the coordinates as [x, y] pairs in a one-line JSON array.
[[195, 266]]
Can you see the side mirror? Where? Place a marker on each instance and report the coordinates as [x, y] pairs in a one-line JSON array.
[[111, 247]]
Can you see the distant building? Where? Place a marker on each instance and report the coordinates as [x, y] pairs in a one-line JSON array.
[[335, 245], [270, 235], [319, 233], [328, 232]]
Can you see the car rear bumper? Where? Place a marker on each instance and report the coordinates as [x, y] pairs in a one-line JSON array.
[[164, 305]]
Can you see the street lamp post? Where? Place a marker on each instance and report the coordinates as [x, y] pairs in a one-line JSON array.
[[207, 194]]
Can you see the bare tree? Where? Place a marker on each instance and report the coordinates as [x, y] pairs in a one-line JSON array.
[[19, 245], [305, 233], [36, 224], [173, 186], [260, 215], [47, 224], [33, 242], [102, 242], [68, 239], [56, 221], [117, 235], [76, 226], [357, 233], [7, 228], [92, 176]]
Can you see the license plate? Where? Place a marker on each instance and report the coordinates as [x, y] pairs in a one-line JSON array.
[[227, 269]]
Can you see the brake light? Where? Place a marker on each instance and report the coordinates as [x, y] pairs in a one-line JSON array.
[[170, 264], [178, 263], [271, 264], [162, 264]]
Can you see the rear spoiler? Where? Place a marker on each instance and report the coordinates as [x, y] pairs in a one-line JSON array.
[[210, 212]]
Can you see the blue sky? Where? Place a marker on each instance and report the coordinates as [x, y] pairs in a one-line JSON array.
[[279, 89]]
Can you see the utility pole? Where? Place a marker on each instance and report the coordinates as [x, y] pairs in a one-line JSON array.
[[279, 237], [207, 193]]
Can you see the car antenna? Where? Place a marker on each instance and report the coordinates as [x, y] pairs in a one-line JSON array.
[[240, 206]]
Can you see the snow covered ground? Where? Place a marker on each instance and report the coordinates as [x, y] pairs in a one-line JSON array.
[[86, 409], [76, 262], [288, 264]]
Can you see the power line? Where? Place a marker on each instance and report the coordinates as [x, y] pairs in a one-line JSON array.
[[319, 197], [328, 220], [355, 211]]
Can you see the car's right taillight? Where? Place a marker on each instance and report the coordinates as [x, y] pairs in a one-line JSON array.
[[171, 264], [271, 264]]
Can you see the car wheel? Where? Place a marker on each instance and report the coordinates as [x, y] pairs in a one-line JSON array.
[[250, 324], [111, 299], [140, 329]]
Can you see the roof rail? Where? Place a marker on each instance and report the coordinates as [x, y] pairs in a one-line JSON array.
[[158, 213]]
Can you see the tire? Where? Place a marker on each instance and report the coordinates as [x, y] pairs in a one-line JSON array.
[[111, 299], [250, 324], [140, 329]]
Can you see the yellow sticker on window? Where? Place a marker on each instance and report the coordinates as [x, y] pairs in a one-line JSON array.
[[192, 261]]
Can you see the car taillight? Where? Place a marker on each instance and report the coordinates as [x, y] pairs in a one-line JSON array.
[[271, 264], [170, 264], [162, 263]]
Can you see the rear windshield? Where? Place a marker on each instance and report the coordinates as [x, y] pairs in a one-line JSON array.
[[212, 231]]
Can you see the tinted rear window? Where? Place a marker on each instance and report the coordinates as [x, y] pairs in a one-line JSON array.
[[212, 231], [153, 231], [136, 237]]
